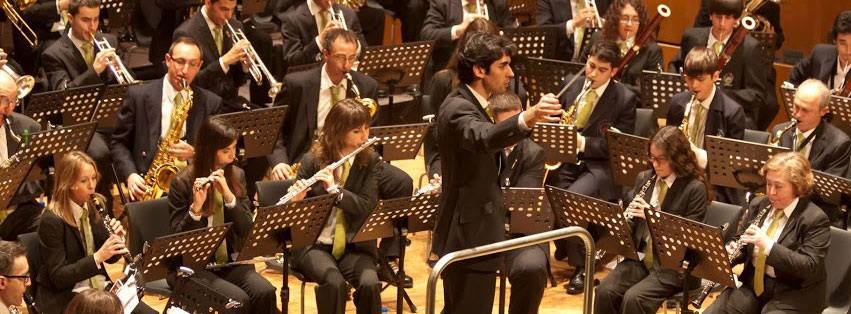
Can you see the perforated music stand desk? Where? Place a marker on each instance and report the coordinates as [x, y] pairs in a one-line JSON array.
[[119, 12], [736, 163], [191, 248], [68, 107], [787, 96], [831, 188], [523, 10], [406, 60], [285, 228], [11, 179], [195, 296], [627, 157], [57, 142], [534, 41], [529, 210], [840, 108], [572, 209], [557, 140], [259, 128], [110, 101], [689, 247], [659, 87], [400, 142], [397, 218], [544, 76]]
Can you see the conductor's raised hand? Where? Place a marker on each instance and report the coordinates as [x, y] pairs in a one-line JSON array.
[[548, 110]]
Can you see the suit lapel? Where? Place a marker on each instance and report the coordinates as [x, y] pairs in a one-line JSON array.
[[675, 190], [310, 21], [601, 109], [715, 115], [819, 143], [205, 35], [73, 56], [792, 222], [468, 94], [312, 98], [827, 74]]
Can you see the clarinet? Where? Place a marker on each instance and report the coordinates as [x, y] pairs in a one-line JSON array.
[[130, 262], [32, 309], [641, 194], [738, 250]]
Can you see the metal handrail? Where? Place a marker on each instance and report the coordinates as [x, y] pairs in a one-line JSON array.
[[512, 244]]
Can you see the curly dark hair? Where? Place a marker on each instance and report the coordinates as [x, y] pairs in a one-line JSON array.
[[678, 151], [346, 115], [841, 25], [610, 30], [482, 49]]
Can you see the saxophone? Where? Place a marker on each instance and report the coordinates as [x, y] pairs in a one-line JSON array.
[[684, 124], [165, 167]]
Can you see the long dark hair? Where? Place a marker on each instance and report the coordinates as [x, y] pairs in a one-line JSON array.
[[678, 151], [215, 134], [346, 115], [613, 15]]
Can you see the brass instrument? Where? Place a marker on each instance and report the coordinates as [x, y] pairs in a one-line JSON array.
[[164, 167], [663, 11], [568, 116], [256, 67], [738, 250], [26, 31], [115, 65], [369, 103], [684, 127], [353, 4], [130, 268], [774, 139], [597, 22], [641, 194], [25, 82], [338, 17]]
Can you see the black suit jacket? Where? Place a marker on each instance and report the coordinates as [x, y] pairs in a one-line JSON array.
[[29, 190], [360, 197], [299, 30], [725, 118], [64, 66], [745, 77], [471, 211], [648, 58], [443, 14], [797, 257], [820, 65], [686, 198], [172, 14], [137, 133], [301, 93], [64, 261], [556, 13], [180, 199], [525, 166], [211, 77], [830, 151], [770, 10]]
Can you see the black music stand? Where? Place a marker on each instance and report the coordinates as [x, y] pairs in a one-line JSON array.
[[285, 228], [736, 163], [397, 65], [397, 218], [400, 142], [191, 248], [258, 128], [12, 177], [194, 296], [544, 76], [831, 188], [557, 140], [691, 248], [572, 209], [110, 101], [787, 96], [56, 142], [523, 10], [840, 112], [657, 88], [627, 157], [68, 107], [118, 13], [534, 41]]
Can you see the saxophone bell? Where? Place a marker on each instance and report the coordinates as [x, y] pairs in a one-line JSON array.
[[369, 103], [774, 140]]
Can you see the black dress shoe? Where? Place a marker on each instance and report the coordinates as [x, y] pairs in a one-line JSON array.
[[576, 285], [389, 276]]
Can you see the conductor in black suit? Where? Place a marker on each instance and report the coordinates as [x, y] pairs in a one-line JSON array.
[[146, 114], [784, 251], [674, 185], [745, 77], [569, 15], [828, 63], [826, 147], [471, 146], [303, 27]]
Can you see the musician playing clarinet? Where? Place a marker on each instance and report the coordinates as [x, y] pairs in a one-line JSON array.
[[784, 251], [674, 185]]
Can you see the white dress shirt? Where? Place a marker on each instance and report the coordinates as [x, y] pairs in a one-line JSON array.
[[769, 270], [712, 40], [841, 72], [324, 105], [654, 199], [167, 109]]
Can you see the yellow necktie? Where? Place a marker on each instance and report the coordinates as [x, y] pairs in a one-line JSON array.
[[219, 219], [323, 20], [585, 113], [217, 37], [759, 263], [338, 246], [717, 47], [335, 94], [88, 53], [799, 139], [623, 47], [648, 249], [470, 7], [694, 133], [86, 231]]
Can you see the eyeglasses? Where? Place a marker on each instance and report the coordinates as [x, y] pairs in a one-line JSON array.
[[183, 62], [629, 20], [25, 277], [653, 159], [343, 58]]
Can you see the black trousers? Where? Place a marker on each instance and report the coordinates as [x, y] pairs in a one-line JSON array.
[[527, 272], [21, 220], [744, 300], [631, 288], [392, 183], [356, 267], [467, 290], [244, 285]]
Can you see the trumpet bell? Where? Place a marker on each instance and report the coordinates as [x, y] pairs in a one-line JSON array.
[[25, 85], [552, 166], [370, 105]]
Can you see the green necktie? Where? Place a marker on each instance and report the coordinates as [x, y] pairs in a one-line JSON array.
[[335, 94], [585, 113], [323, 20], [338, 246], [219, 219], [624, 48], [717, 47], [694, 133], [759, 263], [217, 37], [799, 138], [648, 249], [86, 231], [88, 53]]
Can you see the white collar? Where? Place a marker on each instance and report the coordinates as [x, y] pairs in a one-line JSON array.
[[207, 19], [76, 210], [314, 8], [79, 42], [168, 90], [325, 80], [713, 39], [840, 69], [790, 208], [602, 88], [482, 100], [807, 133], [669, 180]]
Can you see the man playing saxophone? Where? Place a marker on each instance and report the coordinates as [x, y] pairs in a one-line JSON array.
[[147, 113]]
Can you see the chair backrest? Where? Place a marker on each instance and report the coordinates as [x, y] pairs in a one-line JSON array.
[[838, 267], [31, 242], [269, 192], [645, 122], [723, 215], [755, 136], [148, 221]]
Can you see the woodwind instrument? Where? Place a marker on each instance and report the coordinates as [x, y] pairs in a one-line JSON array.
[[641, 193], [130, 269], [684, 124], [369, 103], [747, 25], [568, 117], [663, 11], [774, 139], [164, 166]]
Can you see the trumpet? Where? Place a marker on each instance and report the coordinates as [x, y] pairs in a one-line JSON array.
[[338, 17], [115, 65], [25, 82], [369, 103], [26, 31], [597, 22], [774, 139], [256, 67]]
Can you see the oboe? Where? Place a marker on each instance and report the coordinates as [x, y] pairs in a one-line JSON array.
[[130, 262], [641, 194]]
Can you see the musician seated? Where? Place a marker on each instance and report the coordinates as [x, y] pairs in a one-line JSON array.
[[745, 76], [95, 302], [74, 241], [16, 276], [212, 192], [446, 21], [828, 63], [606, 103], [21, 217], [573, 16], [769, 12], [148, 113], [784, 250], [335, 259], [674, 185], [629, 20], [826, 147], [304, 26]]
